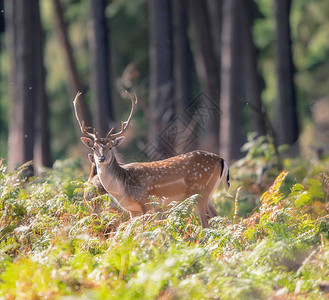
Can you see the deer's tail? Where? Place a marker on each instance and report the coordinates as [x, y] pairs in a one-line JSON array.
[[225, 174]]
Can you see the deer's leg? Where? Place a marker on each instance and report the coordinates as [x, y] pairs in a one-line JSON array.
[[211, 211], [147, 208], [134, 214], [205, 209], [131, 205], [202, 209]]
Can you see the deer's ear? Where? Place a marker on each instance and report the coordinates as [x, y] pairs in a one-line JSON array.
[[91, 158], [87, 141], [118, 141]]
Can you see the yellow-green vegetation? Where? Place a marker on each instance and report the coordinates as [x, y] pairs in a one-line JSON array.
[[274, 243]]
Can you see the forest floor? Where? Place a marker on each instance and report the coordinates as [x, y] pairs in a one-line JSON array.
[[271, 240]]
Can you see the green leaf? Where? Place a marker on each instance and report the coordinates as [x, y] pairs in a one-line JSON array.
[[303, 199]]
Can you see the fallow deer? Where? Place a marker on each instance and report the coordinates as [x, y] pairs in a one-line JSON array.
[[174, 179]]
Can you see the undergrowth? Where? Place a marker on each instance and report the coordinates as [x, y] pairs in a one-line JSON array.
[[272, 244]]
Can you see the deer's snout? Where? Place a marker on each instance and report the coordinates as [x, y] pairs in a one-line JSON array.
[[101, 158]]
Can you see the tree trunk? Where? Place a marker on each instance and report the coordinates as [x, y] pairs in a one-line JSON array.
[[42, 155], [286, 120], [20, 17], [182, 57], [232, 136], [215, 8], [2, 17], [208, 72], [183, 77], [162, 102], [98, 33], [74, 84], [3, 124], [253, 79]]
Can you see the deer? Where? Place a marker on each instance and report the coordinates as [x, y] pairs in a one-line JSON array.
[[172, 179]]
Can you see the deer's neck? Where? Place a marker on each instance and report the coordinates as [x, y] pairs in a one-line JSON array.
[[112, 176]]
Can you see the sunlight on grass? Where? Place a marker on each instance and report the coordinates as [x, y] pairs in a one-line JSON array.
[[52, 245]]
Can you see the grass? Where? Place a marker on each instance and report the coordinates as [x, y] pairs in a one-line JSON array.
[[271, 243]]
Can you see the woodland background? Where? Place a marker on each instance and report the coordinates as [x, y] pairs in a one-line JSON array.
[[245, 79], [263, 65]]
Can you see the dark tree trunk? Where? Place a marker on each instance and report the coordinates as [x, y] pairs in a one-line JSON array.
[[232, 136], [74, 84], [215, 8], [2, 17], [98, 32], [253, 79], [20, 17], [3, 124], [286, 120], [183, 77], [207, 69], [161, 77], [42, 154], [182, 57]]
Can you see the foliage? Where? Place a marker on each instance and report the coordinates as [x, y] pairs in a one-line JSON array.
[[51, 245], [309, 27], [129, 44]]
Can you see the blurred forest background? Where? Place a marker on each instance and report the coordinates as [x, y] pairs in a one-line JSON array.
[[206, 74]]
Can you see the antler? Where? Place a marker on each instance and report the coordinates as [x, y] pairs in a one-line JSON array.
[[124, 125], [83, 128], [110, 135]]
